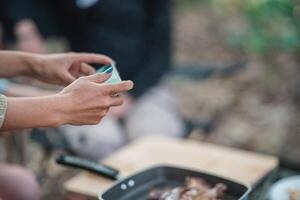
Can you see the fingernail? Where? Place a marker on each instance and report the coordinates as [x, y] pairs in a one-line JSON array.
[[108, 70], [131, 84]]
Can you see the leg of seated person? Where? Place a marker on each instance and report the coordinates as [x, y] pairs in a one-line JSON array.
[[155, 112], [97, 141], [16, 183]]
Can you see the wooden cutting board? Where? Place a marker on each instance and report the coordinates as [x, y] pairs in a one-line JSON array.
[[243, 166]]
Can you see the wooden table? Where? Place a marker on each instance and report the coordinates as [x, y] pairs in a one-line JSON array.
[[243, 166]]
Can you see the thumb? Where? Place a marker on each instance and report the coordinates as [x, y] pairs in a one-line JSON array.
[[99, 77]]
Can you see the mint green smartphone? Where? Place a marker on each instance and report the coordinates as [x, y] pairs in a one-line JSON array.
[[115, 77]]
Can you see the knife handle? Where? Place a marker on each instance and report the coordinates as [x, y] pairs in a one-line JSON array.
[[92, 166]]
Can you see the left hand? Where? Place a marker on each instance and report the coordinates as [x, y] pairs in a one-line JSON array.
[[63, 69]]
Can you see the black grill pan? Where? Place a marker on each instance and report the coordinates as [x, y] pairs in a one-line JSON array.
[[137, 186]]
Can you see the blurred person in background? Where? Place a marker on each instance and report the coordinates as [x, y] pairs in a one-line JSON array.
[[6, 86], [137, 34]]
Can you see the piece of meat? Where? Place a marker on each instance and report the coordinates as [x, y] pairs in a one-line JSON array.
[[191, 194], [215, 192], [156, 194], [174, 194], [193, 189], [197, 183]]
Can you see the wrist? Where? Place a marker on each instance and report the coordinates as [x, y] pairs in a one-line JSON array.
[[60, 109], [42, 112], [33, 64]]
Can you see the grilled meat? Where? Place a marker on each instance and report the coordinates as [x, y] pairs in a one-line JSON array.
[[193, 189]]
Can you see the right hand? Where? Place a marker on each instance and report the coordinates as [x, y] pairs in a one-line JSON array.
[[87, 100]]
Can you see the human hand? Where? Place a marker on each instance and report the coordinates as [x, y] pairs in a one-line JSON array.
[[87, 100], [65, 68]]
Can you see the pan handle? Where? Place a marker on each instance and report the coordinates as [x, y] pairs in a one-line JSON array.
[[92, 166]]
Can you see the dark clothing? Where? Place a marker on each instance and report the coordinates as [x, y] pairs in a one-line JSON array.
[[136, 33]]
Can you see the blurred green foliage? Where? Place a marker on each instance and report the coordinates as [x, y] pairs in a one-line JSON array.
[[267, 25]]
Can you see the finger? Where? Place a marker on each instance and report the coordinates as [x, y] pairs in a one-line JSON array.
[[115, 95], [91, 58], [105, 111], [116, 101], [113, 89], [67, 78], [87, 69], [98, 78]]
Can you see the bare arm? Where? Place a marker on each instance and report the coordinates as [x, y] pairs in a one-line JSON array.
[[61, 69], [85, 101], [18, 90], [33, 112], [16, 63]]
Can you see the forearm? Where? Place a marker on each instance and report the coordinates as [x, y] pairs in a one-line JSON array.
[[17, 63], [18, 90], [83, 102], [24, 113]]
